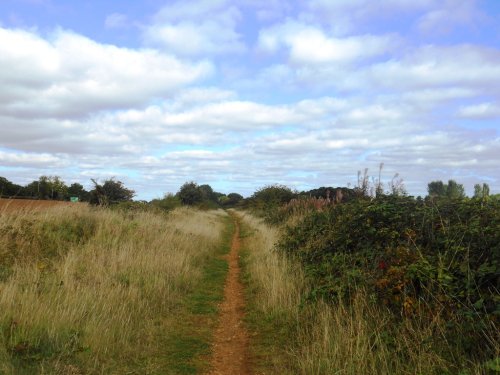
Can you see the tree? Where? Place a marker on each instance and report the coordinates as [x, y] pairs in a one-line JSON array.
[[190, 193], [455, 190], [478, 191], [436, 189], [208, 193], [481, 192], [8, 188], [232, 199], [47, 187], [486, 190], [110, 192], [452, 190], [77, 190], [273, 195], [329, 192]]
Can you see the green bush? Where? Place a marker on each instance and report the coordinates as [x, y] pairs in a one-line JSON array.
[[167, 203], [418, 257]]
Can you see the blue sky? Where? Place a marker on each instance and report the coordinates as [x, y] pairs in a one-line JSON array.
[[241, 94]]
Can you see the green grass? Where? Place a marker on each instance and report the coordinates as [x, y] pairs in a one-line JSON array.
[[270, 331], [188, 346], [86, 291]]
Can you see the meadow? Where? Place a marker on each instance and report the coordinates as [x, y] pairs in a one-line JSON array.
[[85, 290]]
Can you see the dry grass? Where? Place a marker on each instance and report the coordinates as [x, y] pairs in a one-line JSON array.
[[86, 290], [279, 283], [313, 338]]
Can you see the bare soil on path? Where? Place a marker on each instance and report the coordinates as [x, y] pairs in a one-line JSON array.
[[230, 345]]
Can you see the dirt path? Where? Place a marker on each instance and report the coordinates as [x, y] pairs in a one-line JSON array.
[[230, 347]]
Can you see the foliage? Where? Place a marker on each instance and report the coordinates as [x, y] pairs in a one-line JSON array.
[[47, 187], [190, 193], [8, 188], [269, 198], [417, 257], [167, 203], [77, 190], [293, 334], [110, 192], [329, 192], [452, 190], [436, 189], [306, 202], [481, 191], [207, 193], [231, 200], [202, 196]]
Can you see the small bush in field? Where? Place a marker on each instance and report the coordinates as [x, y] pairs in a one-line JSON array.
[[167, 203]]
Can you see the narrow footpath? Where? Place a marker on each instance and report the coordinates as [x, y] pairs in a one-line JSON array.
[[230, 346]]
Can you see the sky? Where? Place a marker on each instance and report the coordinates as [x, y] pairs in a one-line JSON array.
[[246, 93]]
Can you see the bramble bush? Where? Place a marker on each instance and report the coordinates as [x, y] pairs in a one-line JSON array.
[[422, 258]]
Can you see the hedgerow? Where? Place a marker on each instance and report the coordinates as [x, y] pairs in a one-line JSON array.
[[421, 258]]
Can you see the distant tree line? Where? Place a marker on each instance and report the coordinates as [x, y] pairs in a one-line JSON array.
[[54, 188], [454, 190], [201, 196], [112, 191]]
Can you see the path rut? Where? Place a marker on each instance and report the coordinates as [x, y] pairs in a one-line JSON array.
[[230, 345]]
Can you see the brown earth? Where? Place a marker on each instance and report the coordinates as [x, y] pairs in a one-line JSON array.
[[230, 346], [28, 204]]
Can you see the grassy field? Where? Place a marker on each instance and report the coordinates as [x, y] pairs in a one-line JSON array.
[[94, 291]]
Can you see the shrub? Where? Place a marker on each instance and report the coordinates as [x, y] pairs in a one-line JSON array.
[[417, 257], [167, 203]]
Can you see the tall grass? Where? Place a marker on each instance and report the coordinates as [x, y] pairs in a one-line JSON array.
[[307, 336], [87, 290]]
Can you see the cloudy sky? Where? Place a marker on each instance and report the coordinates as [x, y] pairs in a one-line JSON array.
[[245, 93]]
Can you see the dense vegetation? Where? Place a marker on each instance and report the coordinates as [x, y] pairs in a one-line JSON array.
[[432, 262], [420, 258]]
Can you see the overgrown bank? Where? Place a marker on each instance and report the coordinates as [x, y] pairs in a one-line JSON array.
[[383, 286]]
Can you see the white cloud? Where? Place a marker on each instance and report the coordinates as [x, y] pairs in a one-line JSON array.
[[310, 45], [431, 16], [233, 115], [69, 75], [450, 14], [459, 67], [207, 27], [41, 160], [487, 110]]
